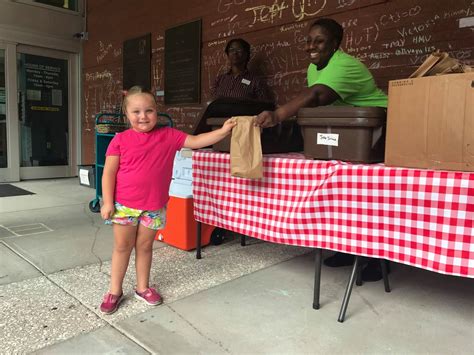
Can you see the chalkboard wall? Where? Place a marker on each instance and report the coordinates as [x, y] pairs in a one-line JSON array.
[[392, 37]]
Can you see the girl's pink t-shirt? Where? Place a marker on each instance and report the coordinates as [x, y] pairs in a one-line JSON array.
[[146, 166]]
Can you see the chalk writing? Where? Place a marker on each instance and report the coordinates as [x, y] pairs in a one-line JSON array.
[[216, 43], [282, 44], [368, 34], [157, 71], [294, 26], [264, 13], [224, 19], [344, 3], [421, 39], [299, 39], [374, 65], [225, 5], [459, 13], [98, 75], [359, 49], [417, 28], [302, 9], [102, 93], [103, 51], [399, 15], [349, 23], [462, 54], [185, 118], [410, 51], [396, 43]]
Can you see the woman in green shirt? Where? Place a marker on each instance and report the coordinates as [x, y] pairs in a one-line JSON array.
[[334, 78]]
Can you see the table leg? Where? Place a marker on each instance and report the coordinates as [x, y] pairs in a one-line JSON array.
[[383, 266], [317, 277], [347, 294], [198, 240]]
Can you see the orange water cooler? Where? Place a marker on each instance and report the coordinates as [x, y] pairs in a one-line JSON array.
[[181, 227]]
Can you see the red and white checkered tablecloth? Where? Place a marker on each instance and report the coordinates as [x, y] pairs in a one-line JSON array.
[[423, 218]]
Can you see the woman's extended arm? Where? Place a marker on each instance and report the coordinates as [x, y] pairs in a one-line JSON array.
[[108, 185], [316, 95]]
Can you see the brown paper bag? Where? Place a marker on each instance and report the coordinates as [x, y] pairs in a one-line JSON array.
[[246, 149]]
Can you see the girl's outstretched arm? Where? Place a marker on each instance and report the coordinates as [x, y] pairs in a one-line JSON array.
[[209, 138], [108, 185]]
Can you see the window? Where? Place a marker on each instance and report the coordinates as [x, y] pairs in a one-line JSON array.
[[65, 4]]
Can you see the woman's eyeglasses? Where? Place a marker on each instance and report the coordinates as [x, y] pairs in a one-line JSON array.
[[235, 50]]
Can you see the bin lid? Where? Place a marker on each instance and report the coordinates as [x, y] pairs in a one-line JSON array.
[[342, 116], [343, 111]]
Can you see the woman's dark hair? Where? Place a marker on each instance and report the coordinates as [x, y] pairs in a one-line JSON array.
[[245, 45], [332, 27]]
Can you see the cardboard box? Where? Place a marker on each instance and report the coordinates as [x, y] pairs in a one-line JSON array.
[[430, 122]]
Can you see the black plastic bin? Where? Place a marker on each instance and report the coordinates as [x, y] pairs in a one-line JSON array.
[[355, 134]]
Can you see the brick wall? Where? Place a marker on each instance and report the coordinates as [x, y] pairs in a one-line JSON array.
[[392, 37]]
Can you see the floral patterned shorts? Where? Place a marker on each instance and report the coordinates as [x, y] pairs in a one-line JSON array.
[[127, 216]]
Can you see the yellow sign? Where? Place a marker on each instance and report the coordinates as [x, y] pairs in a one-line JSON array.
[[44, 108]]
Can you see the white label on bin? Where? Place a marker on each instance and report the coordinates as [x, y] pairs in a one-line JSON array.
[[466, 22], [84, 177], [328, 139]]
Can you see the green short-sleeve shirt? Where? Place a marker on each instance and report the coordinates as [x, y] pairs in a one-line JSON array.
[[350, 79]]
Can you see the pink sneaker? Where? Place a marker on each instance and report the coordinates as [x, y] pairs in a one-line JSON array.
[[110, 303], [150, 296]]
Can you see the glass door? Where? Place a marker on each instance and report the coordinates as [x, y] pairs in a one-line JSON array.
[[38, 97], [44, 115], [9, 167], [3, 113]]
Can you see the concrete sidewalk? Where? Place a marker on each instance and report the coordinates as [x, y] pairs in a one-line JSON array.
[[253, 299]]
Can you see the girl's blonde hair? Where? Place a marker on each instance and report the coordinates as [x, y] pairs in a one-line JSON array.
[[137, 89]]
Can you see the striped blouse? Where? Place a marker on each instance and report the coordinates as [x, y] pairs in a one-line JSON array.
[[243, 86]]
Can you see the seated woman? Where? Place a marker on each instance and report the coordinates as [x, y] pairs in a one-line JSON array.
[[334, 78], [238, 92], [239, 82]]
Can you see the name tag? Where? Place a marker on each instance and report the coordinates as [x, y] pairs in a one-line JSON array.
[[245, 81]]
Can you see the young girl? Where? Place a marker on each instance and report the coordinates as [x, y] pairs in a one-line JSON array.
[[135, 184]]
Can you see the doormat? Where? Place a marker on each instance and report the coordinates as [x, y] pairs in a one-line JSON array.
[[7, 190]]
